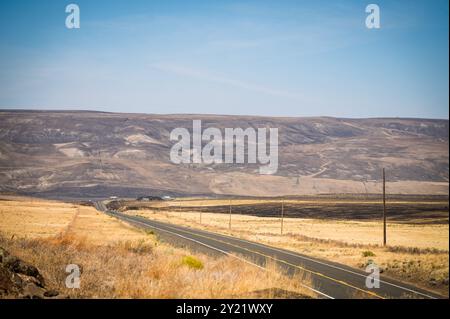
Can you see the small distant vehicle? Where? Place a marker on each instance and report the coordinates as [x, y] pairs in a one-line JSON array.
[[149, 198], [167, 198], [112, 197]]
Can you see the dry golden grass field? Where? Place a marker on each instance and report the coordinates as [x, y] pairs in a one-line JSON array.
[[119, 261], [417, 250]]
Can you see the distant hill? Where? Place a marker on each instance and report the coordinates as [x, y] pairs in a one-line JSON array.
[[95, 154]]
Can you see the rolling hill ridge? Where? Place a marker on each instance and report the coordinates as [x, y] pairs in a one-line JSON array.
[[96, 154]]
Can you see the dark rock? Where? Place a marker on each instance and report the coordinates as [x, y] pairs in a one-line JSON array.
[[51, 293], [19, 279], [3, 254], [6, 283], [31, 291], [21, 267]]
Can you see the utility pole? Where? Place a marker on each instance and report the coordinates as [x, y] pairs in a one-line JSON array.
[[229, 222], [282, 216], [384, 208], [200, 217]]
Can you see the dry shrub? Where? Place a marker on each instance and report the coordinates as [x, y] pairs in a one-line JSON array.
[[137, 270], [192, 262], [139, 247], [421, 259], [414, 250], [368, 253]]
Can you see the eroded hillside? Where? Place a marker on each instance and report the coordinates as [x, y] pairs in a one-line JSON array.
[[98, 154]]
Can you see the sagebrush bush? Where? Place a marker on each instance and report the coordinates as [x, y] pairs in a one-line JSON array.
[[368, 253], [192, 262]]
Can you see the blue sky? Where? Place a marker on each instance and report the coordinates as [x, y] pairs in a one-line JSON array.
[[281, 58]]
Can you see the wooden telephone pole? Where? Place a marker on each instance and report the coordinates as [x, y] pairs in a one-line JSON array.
[[384, 208], [282, 216], [229, 222]]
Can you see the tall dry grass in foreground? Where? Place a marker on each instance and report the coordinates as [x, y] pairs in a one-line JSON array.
[[120, 261], [140, 270], [417, 253]]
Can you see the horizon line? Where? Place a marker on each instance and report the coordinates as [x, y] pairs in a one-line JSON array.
[[217, 114]]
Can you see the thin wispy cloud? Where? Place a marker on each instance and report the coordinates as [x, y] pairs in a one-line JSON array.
[[291, 58], [209, 77]]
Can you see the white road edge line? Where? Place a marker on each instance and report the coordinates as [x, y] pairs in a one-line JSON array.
[[222, 251], [322, 263], [352, 272], [256, 252]]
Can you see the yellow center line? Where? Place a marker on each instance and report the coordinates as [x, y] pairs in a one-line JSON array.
[[285, 262]]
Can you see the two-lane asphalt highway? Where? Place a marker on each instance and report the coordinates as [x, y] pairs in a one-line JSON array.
[[329, 279]]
